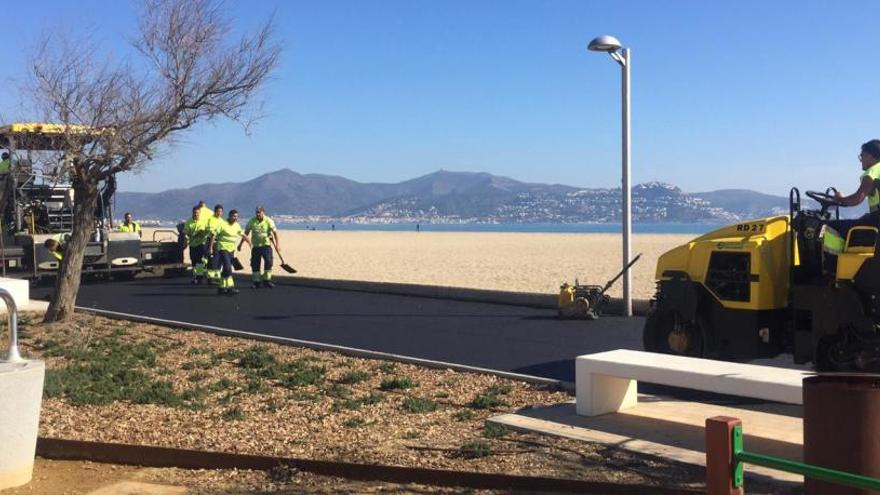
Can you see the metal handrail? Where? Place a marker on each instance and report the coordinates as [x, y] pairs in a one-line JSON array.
[[12, 320]]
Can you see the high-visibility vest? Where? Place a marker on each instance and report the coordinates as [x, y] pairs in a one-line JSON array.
[[873, 173], [131, 227]]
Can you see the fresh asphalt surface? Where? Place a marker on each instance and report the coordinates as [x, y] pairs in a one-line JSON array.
[[518, 339]]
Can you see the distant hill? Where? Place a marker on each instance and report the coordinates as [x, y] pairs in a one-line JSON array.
[[745, 203], [445, 196]]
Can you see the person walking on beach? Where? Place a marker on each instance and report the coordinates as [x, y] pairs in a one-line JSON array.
[[213, 223], [264, 236], [196, 234], [130, 225], [223, 243]]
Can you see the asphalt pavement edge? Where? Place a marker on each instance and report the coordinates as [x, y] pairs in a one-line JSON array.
[[527, 299], [349, 351]]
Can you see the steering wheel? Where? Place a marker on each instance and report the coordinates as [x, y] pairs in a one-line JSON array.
[[825, 199]]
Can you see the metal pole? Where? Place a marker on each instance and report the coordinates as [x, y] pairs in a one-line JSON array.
[[625, 186], [13, 355]]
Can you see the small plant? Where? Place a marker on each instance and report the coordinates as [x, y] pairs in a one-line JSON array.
[[197, 351], [271, 406], [253, 387], [387, 367], [398, 383], [487, 401], [353, 377], [221, 385], [338, 391], [300, 377], [234, 413], [354, 423], [495, 430], [418, 405], [463, 415], [499, 389], [412, 434], [257, 357], [346, 405], [475, 450], [373, 398], [196, 377]]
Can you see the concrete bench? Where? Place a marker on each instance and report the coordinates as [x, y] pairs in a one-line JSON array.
[[606, 381]]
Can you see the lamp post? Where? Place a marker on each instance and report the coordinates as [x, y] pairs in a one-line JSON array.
[[611, 46]]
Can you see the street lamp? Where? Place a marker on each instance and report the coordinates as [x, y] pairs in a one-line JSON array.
[[611, 46]]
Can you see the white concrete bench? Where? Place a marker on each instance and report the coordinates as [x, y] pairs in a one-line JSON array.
[[606, 381]]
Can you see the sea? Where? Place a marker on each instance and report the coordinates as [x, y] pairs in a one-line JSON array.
[[550, 228]]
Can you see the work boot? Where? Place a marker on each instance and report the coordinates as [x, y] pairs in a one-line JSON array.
[[195, 281], [256, 285], [221, 291], [231, 292], [268, 284]]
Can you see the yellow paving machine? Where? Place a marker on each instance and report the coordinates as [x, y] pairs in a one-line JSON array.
[[37, 204], [764, 287]]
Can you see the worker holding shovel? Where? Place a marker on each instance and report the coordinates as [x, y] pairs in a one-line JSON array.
[[264, 236]]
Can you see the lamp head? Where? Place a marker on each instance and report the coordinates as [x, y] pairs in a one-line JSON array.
[[608, 44]]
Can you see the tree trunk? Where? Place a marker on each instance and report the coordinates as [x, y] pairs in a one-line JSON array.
[[70, 272]]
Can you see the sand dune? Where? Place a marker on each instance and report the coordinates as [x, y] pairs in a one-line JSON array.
[[525, 262]]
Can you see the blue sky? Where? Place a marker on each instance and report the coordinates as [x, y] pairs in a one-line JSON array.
[[747, 94]]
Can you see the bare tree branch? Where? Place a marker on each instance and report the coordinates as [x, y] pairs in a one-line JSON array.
[[189, 72]]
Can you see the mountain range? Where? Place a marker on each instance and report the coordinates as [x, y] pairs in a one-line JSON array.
[[446, 196]]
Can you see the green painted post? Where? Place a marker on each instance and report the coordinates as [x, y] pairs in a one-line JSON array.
[[737, 434]]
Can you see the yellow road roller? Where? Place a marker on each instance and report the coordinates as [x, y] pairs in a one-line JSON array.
[[764, 287]]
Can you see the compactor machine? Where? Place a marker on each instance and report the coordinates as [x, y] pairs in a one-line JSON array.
[[764, 287], [38, 204]]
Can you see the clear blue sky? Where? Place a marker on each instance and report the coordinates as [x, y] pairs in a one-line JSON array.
[[750, 94]]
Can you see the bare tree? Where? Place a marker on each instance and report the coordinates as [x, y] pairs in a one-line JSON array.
[[119, 115]]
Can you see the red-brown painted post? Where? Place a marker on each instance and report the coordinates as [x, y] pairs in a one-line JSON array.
[[719, 456]]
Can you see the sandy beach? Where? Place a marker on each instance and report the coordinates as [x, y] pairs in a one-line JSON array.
[[522, 262]]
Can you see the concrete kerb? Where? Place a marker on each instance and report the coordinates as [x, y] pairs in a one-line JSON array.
[[566, 386], [527, 299]]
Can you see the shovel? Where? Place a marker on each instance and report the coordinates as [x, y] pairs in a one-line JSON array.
[[237, 264], [284, 266]]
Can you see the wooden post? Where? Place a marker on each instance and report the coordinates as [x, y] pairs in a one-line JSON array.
[[719, 456]]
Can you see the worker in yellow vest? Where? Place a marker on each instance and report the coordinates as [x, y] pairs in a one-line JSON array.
[[206, 212], [55, 248], [215, 221], [129, 225], [5, 163], [195, 236], [834, 236], [223, 242], [263, 235]]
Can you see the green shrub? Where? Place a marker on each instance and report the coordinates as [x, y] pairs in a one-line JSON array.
[[475, 450], [353, 377], [418, 405], [463, 415], [495, 430], [397, 383], [487, 401]]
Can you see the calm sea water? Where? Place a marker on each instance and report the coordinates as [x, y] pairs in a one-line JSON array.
[[644, 228]]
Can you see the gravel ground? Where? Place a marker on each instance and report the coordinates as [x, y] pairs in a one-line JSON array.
[[117, 381]]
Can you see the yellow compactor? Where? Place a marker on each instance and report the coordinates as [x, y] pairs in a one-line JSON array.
[[764, 287]]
